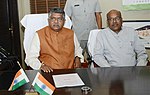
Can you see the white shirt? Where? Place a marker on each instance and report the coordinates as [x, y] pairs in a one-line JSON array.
[[120, 49], [82, 13], [33, 54]]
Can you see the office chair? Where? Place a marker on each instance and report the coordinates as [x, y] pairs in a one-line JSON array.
[[90, 44]]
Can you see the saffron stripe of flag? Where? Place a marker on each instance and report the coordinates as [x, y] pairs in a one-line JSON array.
[[19, 80], [42, 86]]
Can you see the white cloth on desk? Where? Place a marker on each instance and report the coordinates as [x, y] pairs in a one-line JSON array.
[[34, 22]]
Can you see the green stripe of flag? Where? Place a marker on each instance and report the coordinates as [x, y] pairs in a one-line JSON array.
[[41, 91], [22, 82]]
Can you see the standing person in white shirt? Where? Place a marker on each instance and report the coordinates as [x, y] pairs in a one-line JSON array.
[[118, 45], [85, 16]]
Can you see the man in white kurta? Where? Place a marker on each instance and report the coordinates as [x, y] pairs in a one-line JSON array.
[[118, 46]]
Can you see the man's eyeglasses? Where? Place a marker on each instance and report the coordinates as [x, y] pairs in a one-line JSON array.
[[114, 19], [54, 19]]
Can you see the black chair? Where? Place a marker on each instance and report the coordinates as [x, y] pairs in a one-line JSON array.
[[8, 61]]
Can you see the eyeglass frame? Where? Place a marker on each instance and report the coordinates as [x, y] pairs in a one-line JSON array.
[[114, 19]]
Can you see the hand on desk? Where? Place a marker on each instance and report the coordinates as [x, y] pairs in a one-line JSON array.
[[46, 68], [77, 63]]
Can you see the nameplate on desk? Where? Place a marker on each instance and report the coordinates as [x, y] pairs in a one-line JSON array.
[[67, 80]]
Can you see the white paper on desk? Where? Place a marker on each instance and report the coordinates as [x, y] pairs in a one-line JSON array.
[[67, 80]]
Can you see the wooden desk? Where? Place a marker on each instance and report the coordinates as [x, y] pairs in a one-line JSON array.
[[103, 81]]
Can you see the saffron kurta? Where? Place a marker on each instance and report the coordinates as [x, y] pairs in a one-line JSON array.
[[55, 49]]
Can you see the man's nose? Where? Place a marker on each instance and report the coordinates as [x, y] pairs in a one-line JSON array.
[[114, 20]]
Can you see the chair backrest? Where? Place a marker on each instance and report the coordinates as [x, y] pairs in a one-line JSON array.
[[91, 43], [34, 22]]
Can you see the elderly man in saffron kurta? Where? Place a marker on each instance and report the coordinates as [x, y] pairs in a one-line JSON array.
[[54, 47]]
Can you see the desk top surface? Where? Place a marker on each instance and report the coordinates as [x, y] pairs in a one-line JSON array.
[[102, 81]]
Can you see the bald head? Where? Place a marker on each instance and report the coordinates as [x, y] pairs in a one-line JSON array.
[[114, 12], [114, 20]]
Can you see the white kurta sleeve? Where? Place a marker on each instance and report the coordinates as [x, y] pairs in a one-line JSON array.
[[78, 49], [99, 58], [33, 54]]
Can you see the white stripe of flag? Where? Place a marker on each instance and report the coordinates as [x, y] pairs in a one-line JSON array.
[[19, 80], [42, 86]]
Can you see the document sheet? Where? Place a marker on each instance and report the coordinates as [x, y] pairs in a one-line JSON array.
[[67, 80]]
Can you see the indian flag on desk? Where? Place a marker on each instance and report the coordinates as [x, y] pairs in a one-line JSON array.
[[19, 80], [42, 86]]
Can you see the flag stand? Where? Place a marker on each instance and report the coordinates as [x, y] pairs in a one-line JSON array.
[[31, 91]]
